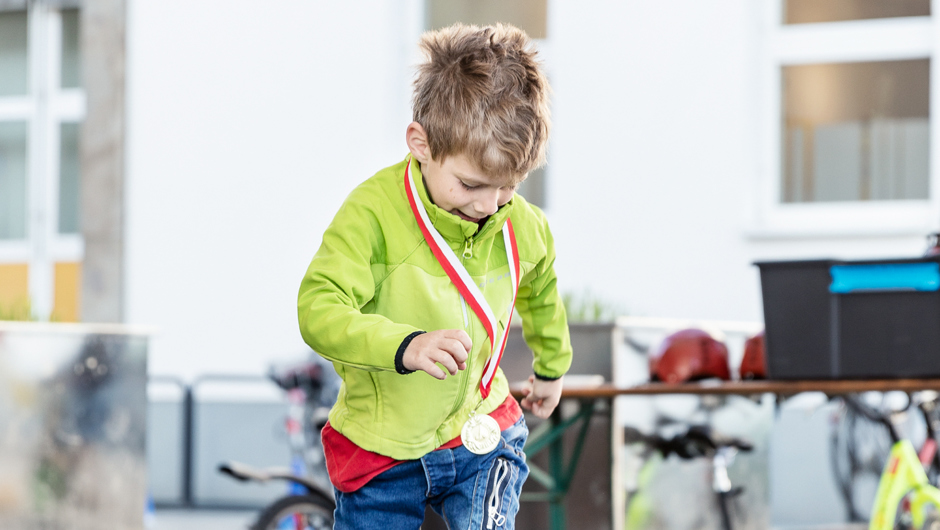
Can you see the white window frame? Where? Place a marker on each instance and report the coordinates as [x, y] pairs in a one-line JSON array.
[[45, 106], [840, 42]]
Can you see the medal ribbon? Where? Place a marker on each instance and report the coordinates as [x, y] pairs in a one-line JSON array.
[[461, 278]]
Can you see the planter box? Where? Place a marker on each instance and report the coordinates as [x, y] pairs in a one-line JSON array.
[[73, 422]]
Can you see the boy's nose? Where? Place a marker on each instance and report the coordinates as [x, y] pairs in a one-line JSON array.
[[488, 203]]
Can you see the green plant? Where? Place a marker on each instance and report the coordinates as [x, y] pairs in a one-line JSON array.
[[586, 307], [21, 311]]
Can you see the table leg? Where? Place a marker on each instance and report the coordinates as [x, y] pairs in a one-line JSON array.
[[556, 456], [557, 480]]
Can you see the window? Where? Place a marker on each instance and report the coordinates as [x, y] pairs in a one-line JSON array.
[[42, 105], [13, 70], [13, 180], [846, 145], [856, 131], [813, 11], [530, 16]]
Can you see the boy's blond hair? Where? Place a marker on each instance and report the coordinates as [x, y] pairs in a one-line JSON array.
[[481, 93]]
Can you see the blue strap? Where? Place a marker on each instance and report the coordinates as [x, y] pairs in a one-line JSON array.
[[888, 277]]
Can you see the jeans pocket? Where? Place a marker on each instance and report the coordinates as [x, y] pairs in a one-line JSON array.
[[514, 438]]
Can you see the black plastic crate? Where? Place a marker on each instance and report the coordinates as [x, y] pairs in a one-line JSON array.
[[831, 319]]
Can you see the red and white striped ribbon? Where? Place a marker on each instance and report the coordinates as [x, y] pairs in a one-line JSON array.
[[461, 279]]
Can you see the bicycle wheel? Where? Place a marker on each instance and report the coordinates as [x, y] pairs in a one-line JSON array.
[[931, 523], [858, 450], [296, 512], [903, 516], [923, 507]]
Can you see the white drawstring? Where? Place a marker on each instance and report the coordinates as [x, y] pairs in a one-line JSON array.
[[502, 470]]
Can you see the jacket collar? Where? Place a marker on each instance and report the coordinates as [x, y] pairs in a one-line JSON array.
[[452, 227]]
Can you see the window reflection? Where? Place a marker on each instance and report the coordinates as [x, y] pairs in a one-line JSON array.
[[528, 15], [71, 68], [13, 65], [12, 180], [856, 131], [808, 11]]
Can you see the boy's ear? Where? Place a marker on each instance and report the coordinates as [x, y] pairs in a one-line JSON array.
[[417, 139]]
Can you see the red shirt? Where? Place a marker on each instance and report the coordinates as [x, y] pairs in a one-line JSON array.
[[351, 467]]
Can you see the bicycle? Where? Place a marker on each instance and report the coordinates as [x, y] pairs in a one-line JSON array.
[[858, 449], [905, 498], [309, 503], [699, 441]]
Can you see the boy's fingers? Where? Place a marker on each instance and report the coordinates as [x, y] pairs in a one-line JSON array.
[[433, 369], [527, 395], [528, 401], [450, 365], [540, 409], [456, 350], [546, 407], [446, 360], [464, 339], [431, 363]]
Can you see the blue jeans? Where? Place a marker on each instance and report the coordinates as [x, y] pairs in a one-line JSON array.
[[469, 491]]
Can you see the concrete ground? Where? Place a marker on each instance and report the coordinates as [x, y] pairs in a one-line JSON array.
[[180, 519], [202, 519]]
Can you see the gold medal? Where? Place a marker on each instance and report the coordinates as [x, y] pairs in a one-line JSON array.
[[480, 434]]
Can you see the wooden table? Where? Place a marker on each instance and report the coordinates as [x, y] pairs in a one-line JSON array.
[[561, 469], [743, 388]]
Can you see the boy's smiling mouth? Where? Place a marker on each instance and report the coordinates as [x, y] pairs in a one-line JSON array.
[[467, 217]]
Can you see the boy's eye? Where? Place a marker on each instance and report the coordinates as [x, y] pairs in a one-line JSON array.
[[467, 186]]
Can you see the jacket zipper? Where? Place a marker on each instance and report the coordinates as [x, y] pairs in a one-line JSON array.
[[467, 254], [466, 317]]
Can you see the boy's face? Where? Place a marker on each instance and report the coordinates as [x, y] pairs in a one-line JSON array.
[[456, 185]]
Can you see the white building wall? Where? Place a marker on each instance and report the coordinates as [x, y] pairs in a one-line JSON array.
[[650, 154], [250, 121], [655, 160]]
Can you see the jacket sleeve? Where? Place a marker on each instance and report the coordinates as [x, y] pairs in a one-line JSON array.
[[544, 322], [338, 283]]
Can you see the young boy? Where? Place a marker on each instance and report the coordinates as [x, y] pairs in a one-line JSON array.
[[413, 288]]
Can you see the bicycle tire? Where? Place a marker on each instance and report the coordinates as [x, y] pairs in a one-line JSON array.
[[928, 507], [316, 513], [858, 451], [932, 523]]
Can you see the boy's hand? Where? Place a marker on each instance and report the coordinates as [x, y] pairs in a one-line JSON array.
[[448, 347], [541, 397]]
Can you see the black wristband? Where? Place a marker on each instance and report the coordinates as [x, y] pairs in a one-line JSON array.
[[400, 354], [546, 378]]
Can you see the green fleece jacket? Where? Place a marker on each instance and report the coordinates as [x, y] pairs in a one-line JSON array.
[[374, 281]]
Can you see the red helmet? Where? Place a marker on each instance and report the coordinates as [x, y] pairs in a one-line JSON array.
[[688, 355], [753, 364]]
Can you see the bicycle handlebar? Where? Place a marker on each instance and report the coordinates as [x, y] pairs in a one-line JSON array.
[[697, 441], [878, 417], [307, 377]]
